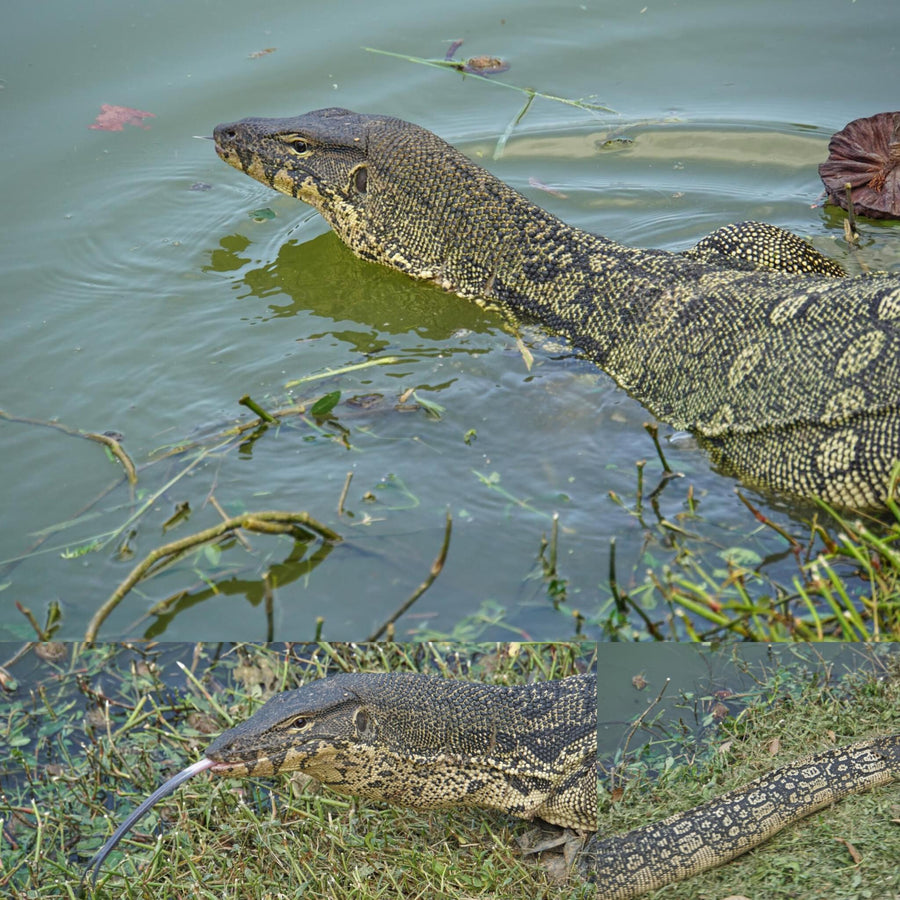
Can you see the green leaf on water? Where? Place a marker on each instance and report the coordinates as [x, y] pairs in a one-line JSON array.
[[261, 215], [213, 553], [433, 409], [741, 556], [81, 551], [325, 404]]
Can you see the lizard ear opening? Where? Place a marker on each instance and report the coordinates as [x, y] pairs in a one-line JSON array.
[[366, 727], [359, 178]]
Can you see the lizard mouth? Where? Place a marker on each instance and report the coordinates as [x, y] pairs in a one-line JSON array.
[[234, 767]]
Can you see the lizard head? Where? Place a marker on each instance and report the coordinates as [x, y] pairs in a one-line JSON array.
[[394, 192], [303, 729], [320, 158]]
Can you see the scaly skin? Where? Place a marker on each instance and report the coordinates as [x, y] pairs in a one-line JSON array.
[[648, 858], [415, 740], [790, 379]]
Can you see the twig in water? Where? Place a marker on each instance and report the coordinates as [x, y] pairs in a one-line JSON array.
[[111, 443], [253, 406], [556, 584], [850, 230], [623, 600], [639, 496], [343, 370], [796, 546], [436, 567], [5, 676], [554, 545], [218, 508], [344, 492], [653, 431], [621, 605], [269, 598], [271, 522], [115, 448], [454, 66], [41, 634], [152, 499]]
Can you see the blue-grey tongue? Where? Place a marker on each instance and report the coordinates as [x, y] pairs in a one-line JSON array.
[[153, 799]]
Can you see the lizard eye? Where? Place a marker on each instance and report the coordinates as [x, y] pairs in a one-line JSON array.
[[300, 147], [297, 723]]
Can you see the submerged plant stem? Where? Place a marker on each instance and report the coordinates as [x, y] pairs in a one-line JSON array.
[[252, 405], [343, 370]]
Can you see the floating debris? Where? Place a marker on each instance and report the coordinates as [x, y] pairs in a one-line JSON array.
[[476, 65], [115, 118], [486, 65], [546, 188], [866, 155]]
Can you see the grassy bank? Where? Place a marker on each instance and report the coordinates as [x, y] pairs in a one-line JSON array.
[[816, 574], [92, 731], [848, 851], [77, 768]]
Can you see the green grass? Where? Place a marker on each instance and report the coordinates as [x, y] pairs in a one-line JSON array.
[[829, 576], [73, 770], [790, 716]]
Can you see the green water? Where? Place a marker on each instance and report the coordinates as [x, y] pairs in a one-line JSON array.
[[140, 297]]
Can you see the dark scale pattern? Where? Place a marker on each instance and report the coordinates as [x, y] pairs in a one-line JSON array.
[[752, 340], [648, 858]]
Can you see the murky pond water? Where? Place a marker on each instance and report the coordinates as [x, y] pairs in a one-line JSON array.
[[141, 297]]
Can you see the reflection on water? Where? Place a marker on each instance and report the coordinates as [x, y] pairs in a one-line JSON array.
[[322, 277], [296, 565]]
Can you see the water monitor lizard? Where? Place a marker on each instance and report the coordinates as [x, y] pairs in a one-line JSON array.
[[530, 751], [787, 372]]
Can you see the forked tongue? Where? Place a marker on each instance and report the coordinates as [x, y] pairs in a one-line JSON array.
[[148, 804]]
